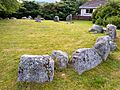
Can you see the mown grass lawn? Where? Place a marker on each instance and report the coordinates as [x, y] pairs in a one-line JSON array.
[[18, 37]]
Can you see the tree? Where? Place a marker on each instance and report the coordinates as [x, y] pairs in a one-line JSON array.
[[9, 6], [101, 14], [28, 8]]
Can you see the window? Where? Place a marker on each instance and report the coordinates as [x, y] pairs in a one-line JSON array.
[[89, 10]]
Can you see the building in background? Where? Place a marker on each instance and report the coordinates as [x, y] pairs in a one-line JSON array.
[[88, 8]]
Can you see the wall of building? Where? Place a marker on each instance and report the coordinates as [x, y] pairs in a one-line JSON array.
[[83, 12]]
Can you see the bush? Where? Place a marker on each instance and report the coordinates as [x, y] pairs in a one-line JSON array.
[[113, 20], [108, 13]]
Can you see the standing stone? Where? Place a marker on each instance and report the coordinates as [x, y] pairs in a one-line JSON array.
[[108, 40], [96, 29], [85, 59], [38, 19], [113, 46], [103, 49], [30, 17], [36, 68], [111, 31], [56, 18], [61, 57], [69, 18]]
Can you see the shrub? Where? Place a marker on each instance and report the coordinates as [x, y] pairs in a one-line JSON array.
[[106, 14], [113, 20]]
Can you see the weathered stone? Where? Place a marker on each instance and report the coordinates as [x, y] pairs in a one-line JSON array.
[[30, 17], [24, 17], [113, 46], [36, 68], [85, 59], [61, 57], [111, 31], [69, 18], [103, 49], [42, 18], [38, 19], [108, 40], [96, 29], [56, 18]]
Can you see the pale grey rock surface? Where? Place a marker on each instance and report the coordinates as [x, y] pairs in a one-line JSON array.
[[56, 18], [36, 68], [111, 31], [38, 19], [108, 40], [113, 46], [69, 18], [85, 59], [30, 18], [96, 29], [24, 17], [103, 49], [60, 57]]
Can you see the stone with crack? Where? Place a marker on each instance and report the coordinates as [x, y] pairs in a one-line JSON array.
[[85, 59]]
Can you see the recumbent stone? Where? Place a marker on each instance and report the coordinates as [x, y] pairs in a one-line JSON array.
[[107, 39], [103, 49], [96, 29], [56, 18]]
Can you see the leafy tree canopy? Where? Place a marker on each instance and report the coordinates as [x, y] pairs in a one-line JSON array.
[[105, 12], [9, 6]]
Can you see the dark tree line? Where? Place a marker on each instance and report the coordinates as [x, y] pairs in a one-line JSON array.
[[46, 10]]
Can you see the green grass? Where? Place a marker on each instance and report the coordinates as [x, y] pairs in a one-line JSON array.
[[18, 37]]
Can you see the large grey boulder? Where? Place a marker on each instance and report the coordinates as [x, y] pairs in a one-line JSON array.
[[38, 19], [30, 18], [7, 18], [36, 68], [69, 18], [96, 29], [111, 31], [56, 18], [61, 58], [85, 59], [108, 40], [103, 49]]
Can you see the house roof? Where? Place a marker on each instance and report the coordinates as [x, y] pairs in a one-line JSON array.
[[93, 3]]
